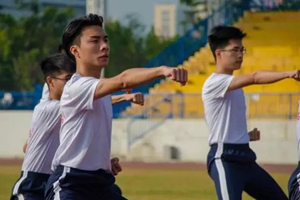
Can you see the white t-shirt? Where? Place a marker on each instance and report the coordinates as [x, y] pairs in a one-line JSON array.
[[45, 93], [43, 138], [225, 112], [298, 130], [85, 136]]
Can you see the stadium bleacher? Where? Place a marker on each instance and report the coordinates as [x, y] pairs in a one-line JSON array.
[[271, 43]]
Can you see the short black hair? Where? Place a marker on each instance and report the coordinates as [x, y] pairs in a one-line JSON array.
[[221, 35], [56, 63], [61, 49], [74, 28]]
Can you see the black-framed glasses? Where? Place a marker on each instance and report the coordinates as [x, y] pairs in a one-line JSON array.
[[235, 50], [62, 79]]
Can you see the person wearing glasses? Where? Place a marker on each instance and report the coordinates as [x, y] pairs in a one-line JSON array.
[[230, 162], [43, 137]]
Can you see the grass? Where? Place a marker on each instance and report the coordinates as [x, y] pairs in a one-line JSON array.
[[146, 184]]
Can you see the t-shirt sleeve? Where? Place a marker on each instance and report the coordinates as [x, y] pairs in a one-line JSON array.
[[82, 93], [45, 93], [217, 86]]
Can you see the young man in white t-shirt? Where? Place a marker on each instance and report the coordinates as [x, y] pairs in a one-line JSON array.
[[82, 160], [294, 180], [231, 163], [43, 137]]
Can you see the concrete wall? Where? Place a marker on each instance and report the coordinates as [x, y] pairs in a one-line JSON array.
[[277, 144], [14, 129], [189, 136]]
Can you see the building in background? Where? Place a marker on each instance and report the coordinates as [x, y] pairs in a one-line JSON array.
[[97, 6], [176, 19], [9, 6], [165, 19]]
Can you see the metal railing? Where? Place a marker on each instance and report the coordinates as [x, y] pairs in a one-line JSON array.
[[190, 105], [139, 126]]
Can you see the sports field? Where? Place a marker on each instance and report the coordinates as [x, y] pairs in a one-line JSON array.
[[156, 181]]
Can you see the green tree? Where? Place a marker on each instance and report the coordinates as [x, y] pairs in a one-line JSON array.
[[191, 16], [7, 22], [154, 44], [122, 48], [129, 46], [27, 40], [191, 2]]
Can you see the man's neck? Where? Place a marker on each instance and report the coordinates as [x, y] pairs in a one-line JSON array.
[[88, 71], [54, 96], [223, 70]]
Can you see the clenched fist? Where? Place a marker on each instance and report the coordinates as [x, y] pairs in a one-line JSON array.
[[115, 166], [178, 74], [295, 75], [137, 98], [254, 135]]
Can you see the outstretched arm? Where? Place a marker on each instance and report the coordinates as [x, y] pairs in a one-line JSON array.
[[262, 77], [137, 98], [138, 76]]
